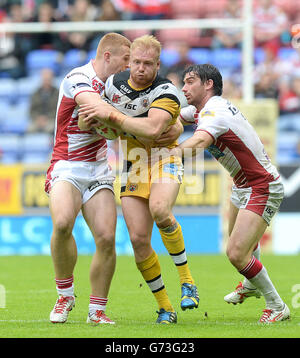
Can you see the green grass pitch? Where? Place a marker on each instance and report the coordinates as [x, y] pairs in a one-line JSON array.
[[29, 287]]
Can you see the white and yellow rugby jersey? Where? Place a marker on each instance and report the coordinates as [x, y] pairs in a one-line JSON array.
[[137, 102]]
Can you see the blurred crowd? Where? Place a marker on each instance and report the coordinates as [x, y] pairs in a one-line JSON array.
[[277, 61]]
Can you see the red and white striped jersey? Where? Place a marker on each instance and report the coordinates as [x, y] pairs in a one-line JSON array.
[[236, 144], [70, 143]]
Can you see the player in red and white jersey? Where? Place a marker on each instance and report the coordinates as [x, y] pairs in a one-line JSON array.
[[257, 190], [235, 145], [80, 178], [70, 142]]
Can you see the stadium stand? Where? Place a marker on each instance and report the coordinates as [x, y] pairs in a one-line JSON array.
[[15, 92], [10, 148], [38, 59], [36, 147]]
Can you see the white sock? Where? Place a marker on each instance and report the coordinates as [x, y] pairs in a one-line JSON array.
[[264, 284], [97, 304], [66, 291], [65, 287]]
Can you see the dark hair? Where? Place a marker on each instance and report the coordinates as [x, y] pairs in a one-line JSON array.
[[206, 72]]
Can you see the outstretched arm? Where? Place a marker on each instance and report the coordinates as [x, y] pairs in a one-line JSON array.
[[148, 127], [199, 140]]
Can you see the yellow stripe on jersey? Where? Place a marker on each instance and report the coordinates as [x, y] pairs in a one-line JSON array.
[[168, 105], [137, 89]]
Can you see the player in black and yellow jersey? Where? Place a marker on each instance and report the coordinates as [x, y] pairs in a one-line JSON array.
[[144, 106]]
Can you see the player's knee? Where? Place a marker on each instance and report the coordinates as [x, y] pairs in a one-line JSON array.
[[105, 240], [160, 213], [139, 241], [236, 256], [62, 228]]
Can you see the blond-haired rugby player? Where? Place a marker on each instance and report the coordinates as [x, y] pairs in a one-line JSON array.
[[147, 106]]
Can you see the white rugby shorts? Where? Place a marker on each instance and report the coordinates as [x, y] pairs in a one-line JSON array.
[[87, 177], [264, 199]]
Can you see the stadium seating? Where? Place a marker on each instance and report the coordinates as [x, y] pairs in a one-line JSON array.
[[15, 94], [10, 147], [91, 55], [200, 55], [36, 60], [26, 148], [286, 53], [36, 147], [72, 58], [7, 89], [287, 147], [221, 58], [226, 58], [169, 56], [26, 86], [14, 117]]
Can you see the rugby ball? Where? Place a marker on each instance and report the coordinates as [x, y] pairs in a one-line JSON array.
[[107, 132]]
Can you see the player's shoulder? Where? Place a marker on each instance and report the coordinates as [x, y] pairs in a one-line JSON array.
[[215, 107], [161, 84], [189, 114], [86, 72], [161, 81], [118, 80], [163, 88]]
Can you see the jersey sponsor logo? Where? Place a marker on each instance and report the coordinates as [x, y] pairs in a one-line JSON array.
[[97, 183], [215, 151], [77, 73], [124, 89], [82, 84], [207, 113], [130, 106]]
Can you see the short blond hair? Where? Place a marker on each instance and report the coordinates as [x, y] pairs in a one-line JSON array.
[[112, 42], [147, 42]]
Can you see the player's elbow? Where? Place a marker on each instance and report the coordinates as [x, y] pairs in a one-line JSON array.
[[156, 134], [157, 131], [152, 133]]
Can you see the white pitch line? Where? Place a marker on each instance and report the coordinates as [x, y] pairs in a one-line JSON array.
[[33, 321]]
